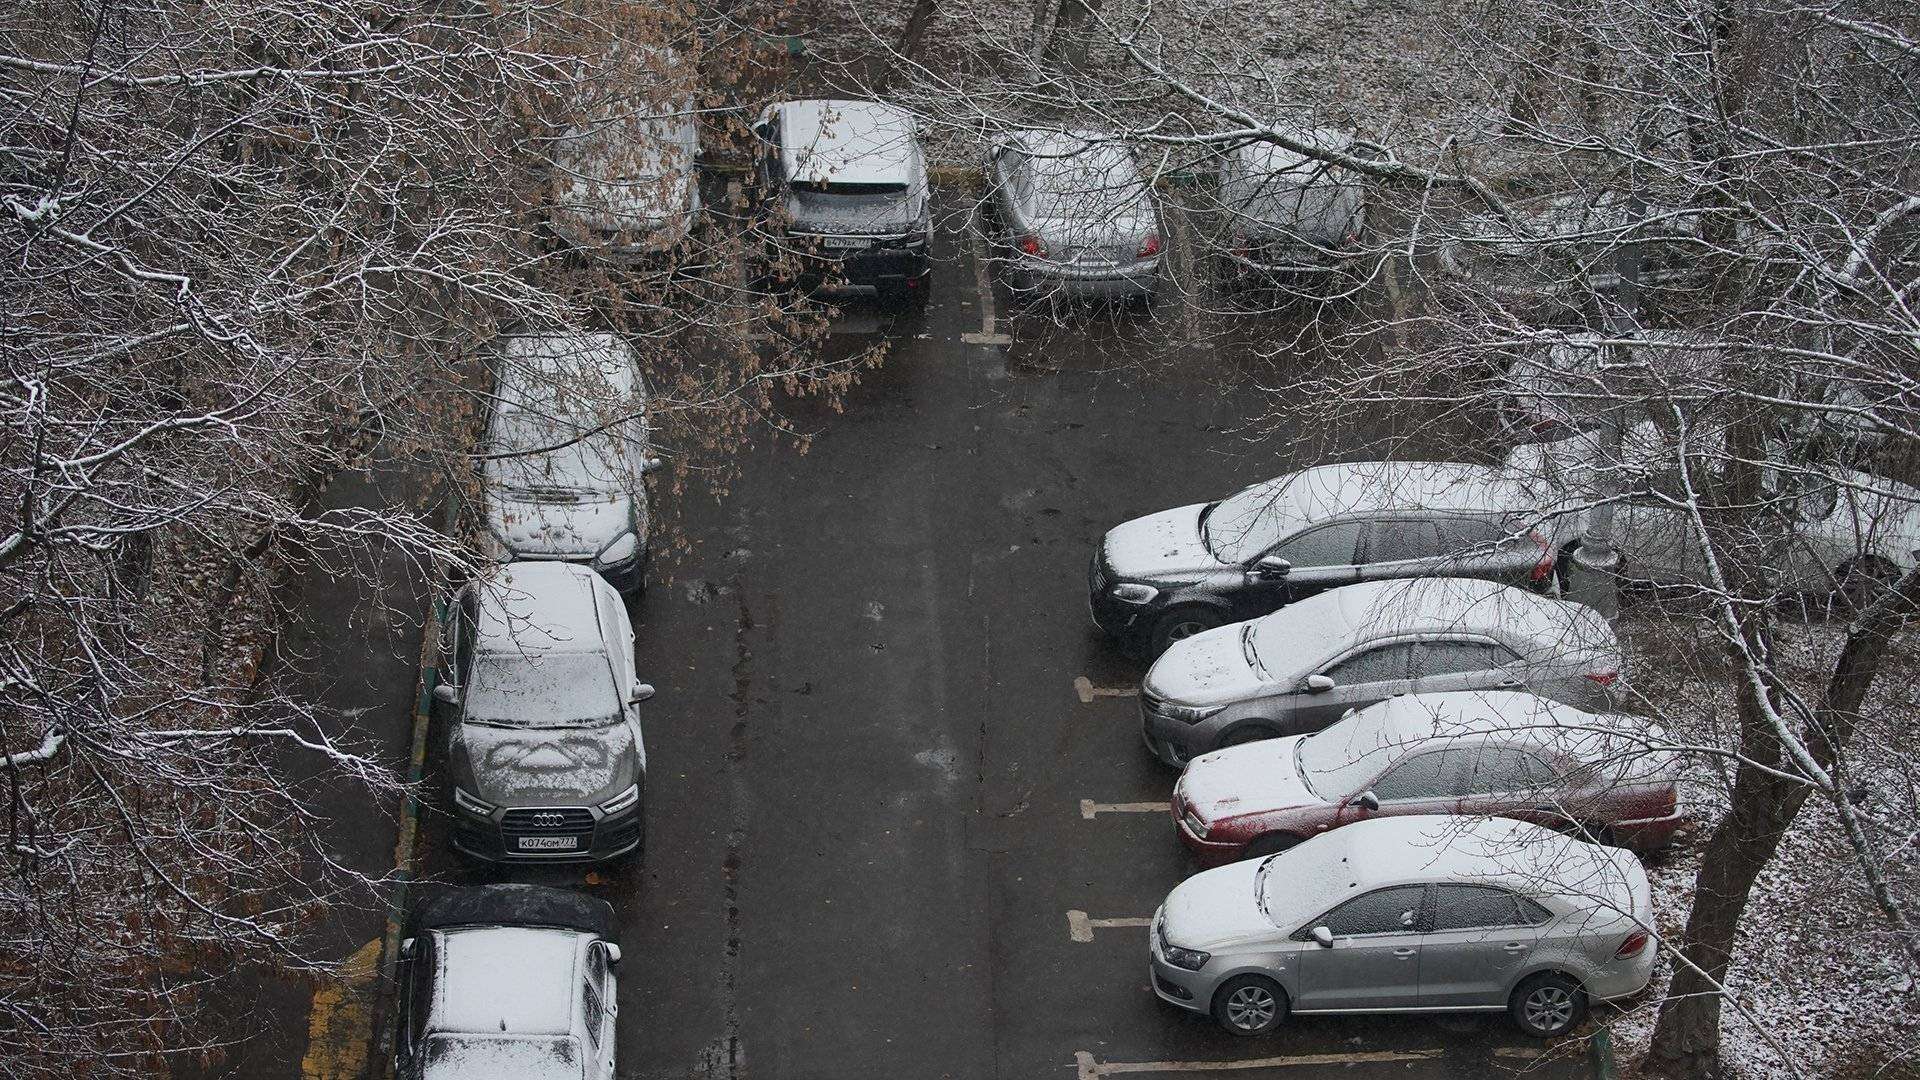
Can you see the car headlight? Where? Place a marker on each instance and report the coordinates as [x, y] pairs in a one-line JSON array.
[[1132, 592], [1189, 959], [471, 804], [619, 551], [1191, 714], [622, 801]]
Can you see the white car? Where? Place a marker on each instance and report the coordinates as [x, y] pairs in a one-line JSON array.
[[1409, 914], [625, 187], [1854, 532], [508, 982], [564, 455]]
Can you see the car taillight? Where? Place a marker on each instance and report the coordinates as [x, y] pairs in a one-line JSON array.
[[1542, 427], [1032, 246], [1545, 566], [1604, 678], [1635, 942], [1150, 246]]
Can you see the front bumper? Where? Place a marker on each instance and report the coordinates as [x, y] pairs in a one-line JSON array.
[[501, 837], [882, 266], [1174, 742], [1208, 853], [1189, 990]]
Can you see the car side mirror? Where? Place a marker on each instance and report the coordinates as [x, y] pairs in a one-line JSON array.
[[641, 692], [1318, 684], [1366, 800], [409, 948], [444, 692], [1271, 566], [1322, 936], [613, 955]]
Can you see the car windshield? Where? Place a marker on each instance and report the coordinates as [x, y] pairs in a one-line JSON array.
[[1336, 761], [585, 466], [542, 690], [1239, 529]]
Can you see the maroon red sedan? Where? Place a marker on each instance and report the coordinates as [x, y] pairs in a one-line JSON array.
[[1500, 753]]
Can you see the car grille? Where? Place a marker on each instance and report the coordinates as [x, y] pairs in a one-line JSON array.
[[1150, 703], [546, 820], [1096, 576]]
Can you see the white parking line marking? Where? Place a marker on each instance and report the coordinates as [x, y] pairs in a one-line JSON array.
[[1084, 687], [1518, 1051], [1081, 928], [1091, 1069], [989, 322], [1089, 808]]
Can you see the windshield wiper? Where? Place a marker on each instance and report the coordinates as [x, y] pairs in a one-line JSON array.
[[1252, 654]]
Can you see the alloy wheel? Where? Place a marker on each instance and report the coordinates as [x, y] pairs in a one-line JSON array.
[[1251, 1008], [1549, 1008]]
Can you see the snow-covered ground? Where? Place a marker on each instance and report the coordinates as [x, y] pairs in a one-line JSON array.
[[1816, 978]]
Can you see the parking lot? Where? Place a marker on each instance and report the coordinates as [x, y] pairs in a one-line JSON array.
[[900, 822]]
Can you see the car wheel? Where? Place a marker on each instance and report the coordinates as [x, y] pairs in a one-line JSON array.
[[1272, 843], [1548, 1004], [1181, 623], [1250, 1005]]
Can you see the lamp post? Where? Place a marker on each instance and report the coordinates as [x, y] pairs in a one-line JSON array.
[[1594, 576]]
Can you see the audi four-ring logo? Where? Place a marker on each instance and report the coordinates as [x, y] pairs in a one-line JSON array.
[[549, 817]]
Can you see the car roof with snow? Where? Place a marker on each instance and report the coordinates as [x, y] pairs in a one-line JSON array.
[[1321, 627], [1267, 157], [841, 141], [540, 607], [1329, 491], [1417, 849], [515, 980], [1509, 717]]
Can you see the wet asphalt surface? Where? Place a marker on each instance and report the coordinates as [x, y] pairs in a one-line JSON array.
[[868, 757]]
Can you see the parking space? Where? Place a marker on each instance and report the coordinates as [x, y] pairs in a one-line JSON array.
[[900, 822]]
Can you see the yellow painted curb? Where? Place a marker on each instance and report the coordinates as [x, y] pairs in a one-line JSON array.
[[339, 1025]]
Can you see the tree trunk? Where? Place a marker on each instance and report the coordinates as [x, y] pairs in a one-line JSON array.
[[1067, 47], [922, 14]]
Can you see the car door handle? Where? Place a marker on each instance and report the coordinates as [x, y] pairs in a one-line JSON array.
[[1515, 946], [1405, 953]]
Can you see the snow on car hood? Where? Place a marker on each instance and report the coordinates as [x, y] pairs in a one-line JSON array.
[[1209, 668], [514, 766], [1160, 546], [561, 529], [1249, 779], [1217, 908]]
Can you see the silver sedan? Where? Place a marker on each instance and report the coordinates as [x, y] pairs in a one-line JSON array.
[[1077, 217]]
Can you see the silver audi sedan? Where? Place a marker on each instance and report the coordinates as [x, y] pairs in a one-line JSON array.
[[1410, 914]]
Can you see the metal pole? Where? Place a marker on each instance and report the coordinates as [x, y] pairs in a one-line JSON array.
[[1593, 578]]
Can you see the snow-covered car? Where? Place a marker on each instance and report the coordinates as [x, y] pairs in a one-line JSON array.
[[625, 185], [845, 187], [1170, 575], [1566, 247], [1076, 215], [540, 699], [1563, 384], [1288, 213], [508, 981], [1303, 667], [1468, 752], [1853, 532], [1410, 914], [564, 455]]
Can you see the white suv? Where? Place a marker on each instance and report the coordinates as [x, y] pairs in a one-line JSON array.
[[508, 980]]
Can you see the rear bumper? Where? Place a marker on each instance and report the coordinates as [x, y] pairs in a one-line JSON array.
[[1650, 834], [1624, 978], [1069, 281], [883, 268]]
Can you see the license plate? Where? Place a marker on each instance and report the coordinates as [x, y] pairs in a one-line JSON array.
[[846, 241], [549, 843]]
